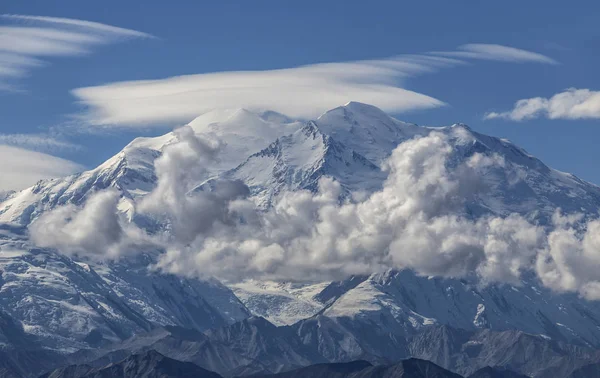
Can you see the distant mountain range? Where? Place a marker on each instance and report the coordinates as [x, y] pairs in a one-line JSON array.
[[153, 364]]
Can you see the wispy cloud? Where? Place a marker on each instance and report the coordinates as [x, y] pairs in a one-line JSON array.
[[21, 168], [25, 39], [38, 142], [89, 25], [570, 104], [498, 53], [300, 92], [13, 65]]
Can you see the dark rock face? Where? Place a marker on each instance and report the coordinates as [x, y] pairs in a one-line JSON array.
[[255, 346], [331, 370], [411, 368], [465, 352], [490, 372], [587, 371], [148, 365]]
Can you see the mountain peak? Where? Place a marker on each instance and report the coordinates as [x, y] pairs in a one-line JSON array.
[[366, 129], [461, 125], [238, 117], [354, 109], [361, 107]]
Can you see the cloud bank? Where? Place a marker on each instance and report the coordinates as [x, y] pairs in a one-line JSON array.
[[410, 223], [95, 230], [415, 221], [302, 92], [27, 39], [570, 104], [21, 168]]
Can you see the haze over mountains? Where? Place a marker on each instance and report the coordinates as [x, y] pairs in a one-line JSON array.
[[351, 237]]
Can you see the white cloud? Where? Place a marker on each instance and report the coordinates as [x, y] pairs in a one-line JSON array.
[[30, 37], [95, 230], [12, 65], [177, 171], [413, 222], [301, 92], [21, 168], [410, 223], [570, 262], [499, 53], [90, 25], [570, 104], [38, 142]]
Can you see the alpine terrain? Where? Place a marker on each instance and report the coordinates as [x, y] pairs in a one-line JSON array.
[[66, 315]]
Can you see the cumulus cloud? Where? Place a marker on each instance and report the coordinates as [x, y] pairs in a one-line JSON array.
[[26, 39], [21, 168], [98, 231], [571, 259], [416, 221], [178, 170], [301, 92], [411, 223], [570, 104], [94, 230]]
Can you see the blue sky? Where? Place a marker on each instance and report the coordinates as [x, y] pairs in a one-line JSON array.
[[40, 111]]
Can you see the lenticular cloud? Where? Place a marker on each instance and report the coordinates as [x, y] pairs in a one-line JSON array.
[[415, 221]]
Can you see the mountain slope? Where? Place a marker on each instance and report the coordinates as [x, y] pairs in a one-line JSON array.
[[277, 349], [131, 171], [367, 130], [270, 153], [254, 346], [297, 161], [148, 365], [591, 370], [70, 304], [411, 368], [490, 372], [412, 302], [330, 370]]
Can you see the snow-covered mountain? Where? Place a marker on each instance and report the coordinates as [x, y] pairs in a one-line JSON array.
[[367, 130], [393, 304], [297, 161], [70, 304], [271, 153], [131, 171]]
